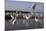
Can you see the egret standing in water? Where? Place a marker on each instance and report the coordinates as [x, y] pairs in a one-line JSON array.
[[14, 21], [27, 17], [36, 17], [12, 18]]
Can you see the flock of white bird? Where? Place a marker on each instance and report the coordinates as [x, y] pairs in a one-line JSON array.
[[25, 16]]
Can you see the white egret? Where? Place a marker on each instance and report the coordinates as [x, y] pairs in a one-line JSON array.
[[12, 17], [27, 17], [14, 21], [36, 19]]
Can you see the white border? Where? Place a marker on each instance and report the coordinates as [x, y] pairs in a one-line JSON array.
[[2, 15]]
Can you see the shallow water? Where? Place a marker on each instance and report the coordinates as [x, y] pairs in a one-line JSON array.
[[24, 24], [21, 24]]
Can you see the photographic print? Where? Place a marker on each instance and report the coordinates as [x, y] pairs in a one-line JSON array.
[[22, 15]]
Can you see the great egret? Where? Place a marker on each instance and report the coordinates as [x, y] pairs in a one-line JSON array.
[[36, 19], [26, 17], [14, 21], [12, 18]]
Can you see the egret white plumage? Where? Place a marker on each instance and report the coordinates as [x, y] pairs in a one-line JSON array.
[[12, 16], [14, 21], [36, 19], [27, 17]]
